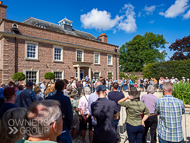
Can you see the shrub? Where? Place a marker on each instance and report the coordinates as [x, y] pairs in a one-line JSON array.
[[49, 75], [109, 75], [121, 75], [182, 91], [18, 76], [178, 69]]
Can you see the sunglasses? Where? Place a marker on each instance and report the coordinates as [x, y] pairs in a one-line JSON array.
[[62, 117]]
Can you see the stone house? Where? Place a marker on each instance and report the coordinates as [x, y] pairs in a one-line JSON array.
[[35, 47]]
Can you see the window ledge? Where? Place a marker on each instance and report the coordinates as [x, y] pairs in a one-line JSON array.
[[37, 60], [110, 65], [97, 64], [58, 61]]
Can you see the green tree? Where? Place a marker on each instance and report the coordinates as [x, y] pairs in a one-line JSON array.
[[121, 75], [18, 76], [49, 75], [141, 50]]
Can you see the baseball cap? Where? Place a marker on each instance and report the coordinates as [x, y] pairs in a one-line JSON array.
[[29, 83], [100, 88], [8, 92]]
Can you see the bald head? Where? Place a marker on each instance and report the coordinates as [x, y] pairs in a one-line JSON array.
[[98, 83]]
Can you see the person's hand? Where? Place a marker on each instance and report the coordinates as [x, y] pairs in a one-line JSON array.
[[143, 123], [130, 97]]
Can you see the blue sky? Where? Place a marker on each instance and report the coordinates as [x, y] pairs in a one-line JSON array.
[[120, 20]]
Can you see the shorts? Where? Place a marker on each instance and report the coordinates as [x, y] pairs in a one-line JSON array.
[[75, 124], [84, 125]]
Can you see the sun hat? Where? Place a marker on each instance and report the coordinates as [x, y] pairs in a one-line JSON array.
[[69, 88], [134, 92], [73, 93]]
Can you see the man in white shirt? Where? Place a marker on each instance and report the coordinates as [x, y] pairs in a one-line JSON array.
[[172, 80], [167, 80], [43, 87]]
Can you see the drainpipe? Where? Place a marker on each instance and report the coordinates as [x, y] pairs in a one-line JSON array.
[[16, 56], [116, 61]]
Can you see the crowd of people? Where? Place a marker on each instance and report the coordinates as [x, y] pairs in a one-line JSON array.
[[58, 111]]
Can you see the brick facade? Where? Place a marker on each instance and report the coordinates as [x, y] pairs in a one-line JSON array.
[[12, 52]]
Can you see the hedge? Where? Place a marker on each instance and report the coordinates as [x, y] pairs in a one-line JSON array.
[[178, 69], [49, 75]]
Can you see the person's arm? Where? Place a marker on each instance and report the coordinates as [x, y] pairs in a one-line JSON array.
[[33, 96], [157, 109], [116, 113], [124, 99], [146, 115], [142, 99]]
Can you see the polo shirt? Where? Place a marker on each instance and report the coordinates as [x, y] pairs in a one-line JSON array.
[[5, 107], [116, 96], [103, 110]]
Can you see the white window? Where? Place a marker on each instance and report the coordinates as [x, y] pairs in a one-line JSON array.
[[109, 59], [97, 58], [31, 50], [31, 76], [58, 75], [80, 55], [96, 75], [58, 53]]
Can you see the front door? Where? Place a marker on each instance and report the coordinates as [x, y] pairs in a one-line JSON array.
[[81, 74]]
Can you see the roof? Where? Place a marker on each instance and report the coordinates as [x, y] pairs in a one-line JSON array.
[[52, 26]]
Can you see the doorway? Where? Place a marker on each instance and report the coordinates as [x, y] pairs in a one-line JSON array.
[[81, 74]]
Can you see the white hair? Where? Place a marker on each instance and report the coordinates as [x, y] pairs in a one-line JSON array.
[[150, 89], [87, 90]]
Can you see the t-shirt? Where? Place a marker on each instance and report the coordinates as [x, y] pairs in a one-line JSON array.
[[103, 110], [5, 107], [116, 96], [83, 104], [74, 104], [1, 92], [26, 141]]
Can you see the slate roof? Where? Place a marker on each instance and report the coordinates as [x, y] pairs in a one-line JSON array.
[[59, 28]]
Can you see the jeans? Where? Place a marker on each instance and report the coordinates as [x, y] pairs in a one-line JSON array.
[[163, 141], [125, 87], [135, 133], [161, 85], [116, 123], [151, 123], [65, 137]]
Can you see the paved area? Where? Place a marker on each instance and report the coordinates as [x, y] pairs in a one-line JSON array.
[[122, 129]]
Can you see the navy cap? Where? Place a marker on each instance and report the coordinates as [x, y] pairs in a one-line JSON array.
[[29, 83], [100, 88]]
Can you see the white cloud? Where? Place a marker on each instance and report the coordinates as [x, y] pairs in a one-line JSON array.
[[129, 23], [176, 9], [187, 15], [151, 22], [150, 10], [100, 20], [139, 15]]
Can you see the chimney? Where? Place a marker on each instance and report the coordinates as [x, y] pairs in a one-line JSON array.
[[3, 11], [103, 37]]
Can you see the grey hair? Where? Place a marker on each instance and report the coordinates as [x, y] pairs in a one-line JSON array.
[[169, 87], [38, 119], [87, 90], [150, 89]]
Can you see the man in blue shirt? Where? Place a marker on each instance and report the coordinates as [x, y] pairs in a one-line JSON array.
[[66, 109], [1, 94], [87, 78], [170, 112]]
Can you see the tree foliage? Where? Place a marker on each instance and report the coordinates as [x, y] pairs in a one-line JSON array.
[[109, 75], [178, 69], [141, 50], [18, 76], [181, 48], [49, 75], [121, 75]]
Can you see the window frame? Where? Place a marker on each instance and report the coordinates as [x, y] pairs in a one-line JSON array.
[[82, 55], [32, 70], [96, 72], [60, 47], [59, 71], [111, 59], [98, 57], [26, 47]]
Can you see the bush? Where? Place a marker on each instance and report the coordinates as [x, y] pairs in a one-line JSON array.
[[182, 91], [178, 69], [121, 75], [109, 75], [18, 76], [49, 75]]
